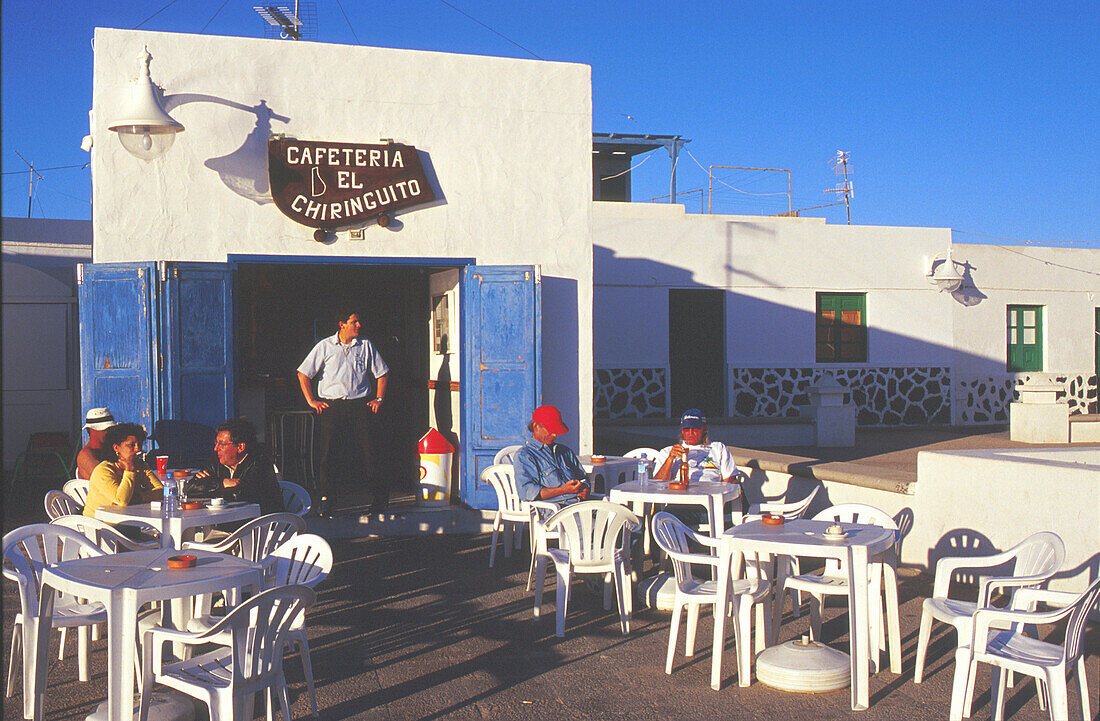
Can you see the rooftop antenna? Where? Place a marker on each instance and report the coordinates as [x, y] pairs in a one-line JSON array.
[[840, 166], [282, 22]]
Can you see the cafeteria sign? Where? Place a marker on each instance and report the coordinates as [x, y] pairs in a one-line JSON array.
[[333, 185]]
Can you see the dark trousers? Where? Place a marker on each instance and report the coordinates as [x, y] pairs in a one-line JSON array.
[[353, 423]]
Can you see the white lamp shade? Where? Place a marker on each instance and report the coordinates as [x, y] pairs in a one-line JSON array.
[[144, 129], [946, 276]]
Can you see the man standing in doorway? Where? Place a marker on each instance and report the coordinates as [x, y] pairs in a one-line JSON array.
[[350, 393]]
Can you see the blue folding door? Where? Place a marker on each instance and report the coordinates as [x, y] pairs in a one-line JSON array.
[[197, 309], [156, 341], [118, 340], [501, 368]]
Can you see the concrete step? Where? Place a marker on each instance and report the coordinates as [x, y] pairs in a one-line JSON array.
[[1084, 428]]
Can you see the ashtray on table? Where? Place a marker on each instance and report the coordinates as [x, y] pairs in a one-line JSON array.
[[182, 561], [192, 505]]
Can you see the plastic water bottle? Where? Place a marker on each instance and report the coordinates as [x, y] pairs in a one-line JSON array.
[[169, 507], [643, 471]]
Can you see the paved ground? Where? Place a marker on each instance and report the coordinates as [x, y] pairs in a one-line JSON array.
[[420, 628]]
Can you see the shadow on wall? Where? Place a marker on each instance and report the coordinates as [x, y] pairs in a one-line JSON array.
[[905, 379]]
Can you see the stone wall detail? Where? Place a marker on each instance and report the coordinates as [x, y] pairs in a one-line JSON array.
[[631, 393], [985, 400], [901, 396]]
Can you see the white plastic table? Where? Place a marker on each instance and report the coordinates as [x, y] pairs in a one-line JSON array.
[[711, 495], [124, 582], [862, 544], [604, 476], [171, 529]]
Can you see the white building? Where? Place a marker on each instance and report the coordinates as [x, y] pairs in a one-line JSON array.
[[739, 315], [608, 310], [41, 379]]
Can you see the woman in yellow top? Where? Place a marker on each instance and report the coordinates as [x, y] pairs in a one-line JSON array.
[[122, 478]]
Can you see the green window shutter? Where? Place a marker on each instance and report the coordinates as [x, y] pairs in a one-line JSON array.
[[841, 328], [1025, 338]]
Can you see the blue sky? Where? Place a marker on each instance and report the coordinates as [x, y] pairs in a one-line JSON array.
[[982, 117]]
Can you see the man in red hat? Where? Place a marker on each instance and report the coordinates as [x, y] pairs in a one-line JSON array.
[[548, 471]]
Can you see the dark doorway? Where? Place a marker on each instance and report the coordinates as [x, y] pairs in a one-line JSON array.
[[697, 350], [284, 308]]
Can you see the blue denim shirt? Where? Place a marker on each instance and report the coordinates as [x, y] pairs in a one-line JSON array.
[[541, 465]]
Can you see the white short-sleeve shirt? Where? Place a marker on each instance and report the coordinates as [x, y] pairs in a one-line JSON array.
[[347, 371], [711, 462]]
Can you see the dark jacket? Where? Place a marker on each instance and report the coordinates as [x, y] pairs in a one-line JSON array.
[[257, 484]]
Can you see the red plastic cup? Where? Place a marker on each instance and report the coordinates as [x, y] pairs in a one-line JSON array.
[[162, 466]]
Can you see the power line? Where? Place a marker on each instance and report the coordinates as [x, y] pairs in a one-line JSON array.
[[348, 21], [647, 157], [1046, 262], [42, 170], [997, 237], [471, 17], [212, 17], [158, 12]]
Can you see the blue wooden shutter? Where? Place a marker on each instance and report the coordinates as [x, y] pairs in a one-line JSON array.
[[501, 367], [198, 313], [118, 341]]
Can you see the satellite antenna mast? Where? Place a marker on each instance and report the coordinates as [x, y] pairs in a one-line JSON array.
[[282, 22], [840, 166]]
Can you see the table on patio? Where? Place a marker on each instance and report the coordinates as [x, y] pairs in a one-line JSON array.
[[124, 582], [608, 473], [858, 548], [172, 528], [711, 495]]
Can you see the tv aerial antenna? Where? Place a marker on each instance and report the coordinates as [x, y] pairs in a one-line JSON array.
[[840, 167], [284, 23]]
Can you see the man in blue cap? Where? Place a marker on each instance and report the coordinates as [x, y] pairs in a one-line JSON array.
[[706, 461]]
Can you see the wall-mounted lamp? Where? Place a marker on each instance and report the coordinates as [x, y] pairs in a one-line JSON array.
[[144, 129], [943, 273]]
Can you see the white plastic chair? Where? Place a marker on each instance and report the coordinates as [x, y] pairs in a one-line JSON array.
[[649, 454], [296, 499], [789, 511], [59, 503], [1034, 560], [512, 511], [103, 534], [691, 591], [306, 560], [506, 455], [27, 550], [833, 581], [594, 539], [227, 678], [78, 488], [1050, 664], [256, 539]]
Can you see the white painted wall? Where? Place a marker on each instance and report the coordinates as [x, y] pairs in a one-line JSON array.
[[999, 497], [509, 141], [41, 379], [977, 503], [772, 269], [1066, 281]]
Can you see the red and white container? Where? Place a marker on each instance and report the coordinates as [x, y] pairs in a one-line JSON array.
[[436, 453]]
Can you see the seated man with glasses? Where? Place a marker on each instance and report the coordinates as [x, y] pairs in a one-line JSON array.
[[241, 473]]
